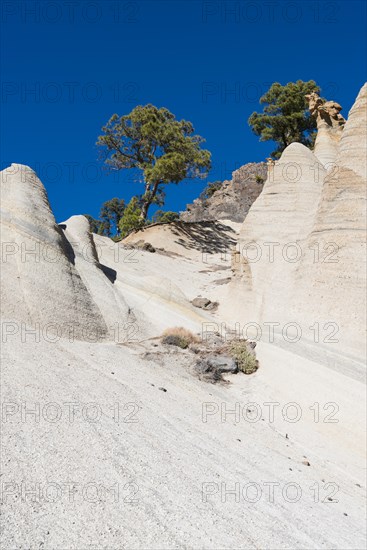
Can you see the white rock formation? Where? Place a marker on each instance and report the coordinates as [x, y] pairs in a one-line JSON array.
[[97, 278], [41, 281], [316, 220], [335, 289], [353, 147]]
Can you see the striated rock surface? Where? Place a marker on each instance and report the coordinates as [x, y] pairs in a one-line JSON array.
[[40, 275], [353, 146], [316, 275], [334, 288], [97, 277], [233, 200]]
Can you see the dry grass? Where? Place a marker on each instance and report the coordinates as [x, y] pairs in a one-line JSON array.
[[179, 336]]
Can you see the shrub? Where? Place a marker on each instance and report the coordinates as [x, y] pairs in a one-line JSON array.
[[165, 217], [246, 360], [178, 336], [259, 179], [131, 219]]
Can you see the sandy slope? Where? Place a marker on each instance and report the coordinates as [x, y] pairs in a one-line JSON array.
[[169, 453], [170, 458]]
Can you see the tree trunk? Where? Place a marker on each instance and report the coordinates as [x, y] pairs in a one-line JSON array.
[[148, 200], [144, 210]]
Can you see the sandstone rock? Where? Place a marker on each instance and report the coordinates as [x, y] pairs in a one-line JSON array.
[[319, 216], [283, 213], [40, 282], [96, 277], [337, 283], [353, 146]]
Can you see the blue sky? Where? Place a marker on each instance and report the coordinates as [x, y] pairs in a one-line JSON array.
[[68, 66]]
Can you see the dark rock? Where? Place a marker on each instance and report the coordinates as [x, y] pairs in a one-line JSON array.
[[211, 368], [233, 199], [206, 372], [211, 306], [223, 363], [148, 247]]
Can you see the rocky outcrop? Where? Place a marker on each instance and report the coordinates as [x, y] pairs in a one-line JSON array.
[[97, 277], [330, 124], [234, 198], [42, 285], [334, 288], [301, 257]]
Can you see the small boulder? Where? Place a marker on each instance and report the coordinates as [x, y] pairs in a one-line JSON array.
[[211, 368], [205, 371], [211, 305], [223, 363], [200, 302]]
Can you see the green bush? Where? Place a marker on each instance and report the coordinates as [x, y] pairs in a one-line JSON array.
[[131, 219], [246, 360], [259, 179], [165, 217]]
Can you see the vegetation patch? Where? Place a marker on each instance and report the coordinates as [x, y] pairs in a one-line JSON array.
[[178, 336], [244, 357]]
